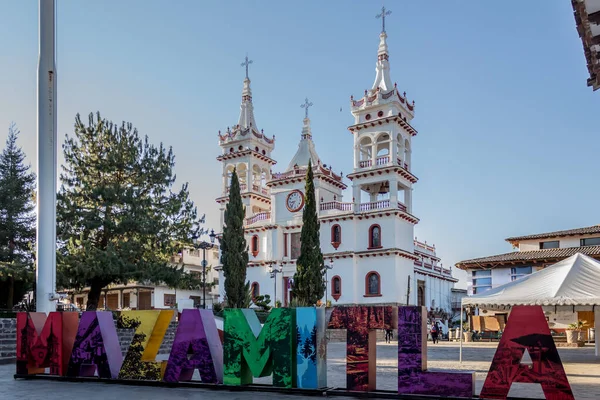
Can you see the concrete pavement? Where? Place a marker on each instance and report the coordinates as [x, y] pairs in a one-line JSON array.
[[582, 369]]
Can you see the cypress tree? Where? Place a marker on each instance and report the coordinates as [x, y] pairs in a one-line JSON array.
[[118, 218], [234, 251], [310, 268], [17, 222]]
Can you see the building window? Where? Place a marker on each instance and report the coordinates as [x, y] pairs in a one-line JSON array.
[[336, 236], [590, 241], [254, 245], [481, 289], [554, 244], [373, 284], [255, 290], [170, 300], [519, 272], [374, 236], [482, 280], [197, 301], [336, 287], [295, 245]]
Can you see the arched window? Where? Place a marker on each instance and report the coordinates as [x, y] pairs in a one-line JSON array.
[[336, 236], [374, 237], [254, 246], [255, 290], [373, 284], [336, 287]]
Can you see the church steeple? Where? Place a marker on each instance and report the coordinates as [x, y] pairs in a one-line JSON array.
[[247, 109], [306, 147], [382, 78]]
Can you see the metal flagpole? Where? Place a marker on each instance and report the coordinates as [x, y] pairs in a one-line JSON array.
[[46, 160]]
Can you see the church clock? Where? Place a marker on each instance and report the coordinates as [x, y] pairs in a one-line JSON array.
[[295, 201]]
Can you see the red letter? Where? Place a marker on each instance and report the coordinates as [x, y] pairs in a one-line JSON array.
[[527, 328], [45, 342]]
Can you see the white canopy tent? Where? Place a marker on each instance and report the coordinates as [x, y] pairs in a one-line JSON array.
[[573, 284]]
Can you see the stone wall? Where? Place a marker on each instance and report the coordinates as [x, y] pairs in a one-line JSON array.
[[8, 339]]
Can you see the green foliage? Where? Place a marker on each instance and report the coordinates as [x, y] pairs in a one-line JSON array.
[[118, 218], [262, 302], [17, 222], [217, 307], [234, 251], [309, 287]]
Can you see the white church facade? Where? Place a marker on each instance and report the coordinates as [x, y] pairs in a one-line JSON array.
[[367, 239]]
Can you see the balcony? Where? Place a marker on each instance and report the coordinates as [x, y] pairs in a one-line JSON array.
[[336, 205], [374, 205], [255, 189], [365, 163], [261, 216], [383, 160], [402, 164]]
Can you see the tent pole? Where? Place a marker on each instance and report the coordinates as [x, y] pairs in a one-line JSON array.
[[461, 335], [597, 330]]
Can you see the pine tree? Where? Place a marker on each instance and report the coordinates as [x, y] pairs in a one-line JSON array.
[[310, 268], [17, 222], [234, 251], [118, 218]]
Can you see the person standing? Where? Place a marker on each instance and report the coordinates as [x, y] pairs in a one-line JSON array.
[[434, 333]]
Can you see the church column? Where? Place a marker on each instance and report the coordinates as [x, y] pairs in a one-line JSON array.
[[356, 195], [356, 155], [394, 191], [408, 199], [393, 148], [249, 176]]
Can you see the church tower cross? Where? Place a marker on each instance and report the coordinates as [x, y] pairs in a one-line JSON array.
[[306, 105], [382, 16], [245, 64]]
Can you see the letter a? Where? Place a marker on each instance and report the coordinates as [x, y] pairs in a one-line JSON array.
[[527, 329]]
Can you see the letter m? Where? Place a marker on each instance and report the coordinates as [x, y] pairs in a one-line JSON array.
[[249, 351], [45, 341]]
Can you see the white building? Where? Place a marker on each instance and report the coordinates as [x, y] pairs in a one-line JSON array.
[[534, 252], [146, 296], [367, 239]]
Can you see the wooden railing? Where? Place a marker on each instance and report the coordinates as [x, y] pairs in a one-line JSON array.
[[335, 205], [261, 216]]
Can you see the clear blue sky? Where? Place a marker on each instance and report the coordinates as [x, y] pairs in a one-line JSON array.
[[508, 131]]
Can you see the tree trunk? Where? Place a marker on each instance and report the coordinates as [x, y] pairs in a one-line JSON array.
[[94, 295], [11, 292]]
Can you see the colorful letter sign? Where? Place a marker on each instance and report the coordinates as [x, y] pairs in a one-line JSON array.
[[196, 346], [140, 361], [527, 329], [311, 348], [45, 342], [361, 355], [251, 351], [413, 377], [96, 346]]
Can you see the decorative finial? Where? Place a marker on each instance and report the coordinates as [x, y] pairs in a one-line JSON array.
[[404, 94], [395, 84], [384, 12], [306, 105], [245, 64]]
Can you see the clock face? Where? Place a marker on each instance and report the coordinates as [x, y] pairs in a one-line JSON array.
[[295, 201]]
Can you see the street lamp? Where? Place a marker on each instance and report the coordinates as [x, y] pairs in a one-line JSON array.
[[273, 271], [204, 246], [327, 268]]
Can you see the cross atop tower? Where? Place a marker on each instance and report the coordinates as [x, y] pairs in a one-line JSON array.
[[306, 105], [382, 16], [245, 64]]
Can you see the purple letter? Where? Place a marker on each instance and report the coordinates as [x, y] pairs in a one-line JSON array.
[[413, 377], [196, 335]]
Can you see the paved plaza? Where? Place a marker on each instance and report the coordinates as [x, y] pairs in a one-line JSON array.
[[582, 369]]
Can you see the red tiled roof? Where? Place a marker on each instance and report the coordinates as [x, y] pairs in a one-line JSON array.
[[590, 230], [528, 256]]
